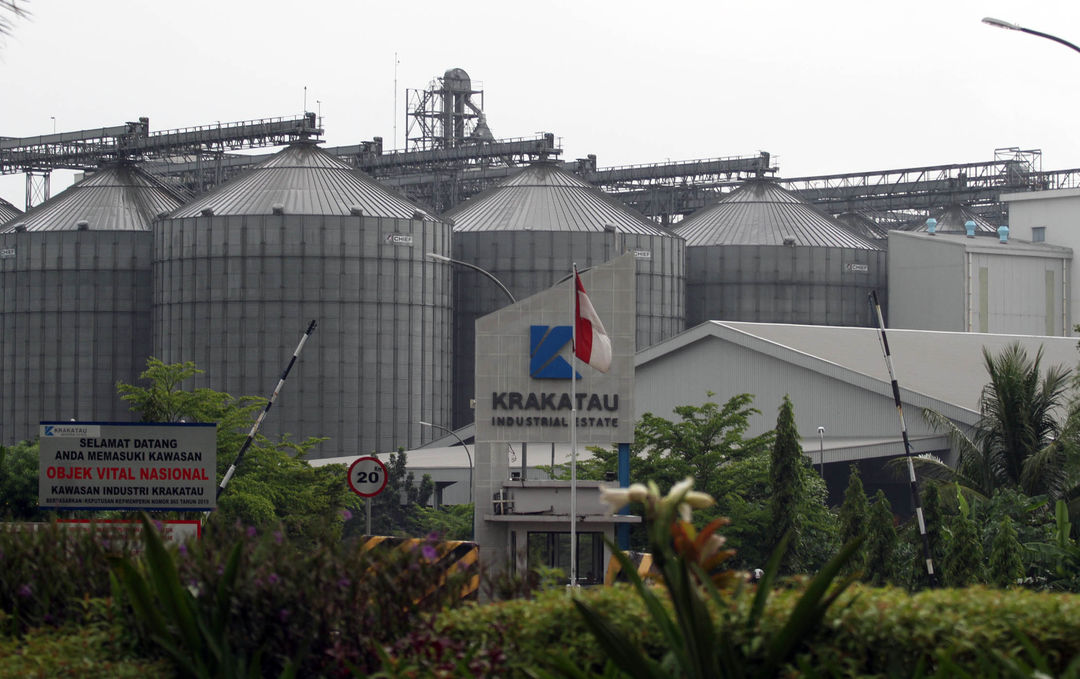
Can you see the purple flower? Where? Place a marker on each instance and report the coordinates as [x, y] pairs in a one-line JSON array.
[[429, 552], [433, 536], [343, 583], [25, 591], [283, 614], [278, 537], [183, 549], [273, 579], [251, 531], [346, 514]]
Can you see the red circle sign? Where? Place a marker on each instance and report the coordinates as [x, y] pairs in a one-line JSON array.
[[367, 476]]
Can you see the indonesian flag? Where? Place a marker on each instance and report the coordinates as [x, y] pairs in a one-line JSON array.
[[591, 342]]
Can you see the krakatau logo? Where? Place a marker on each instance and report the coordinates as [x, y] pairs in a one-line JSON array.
[[545, 343]]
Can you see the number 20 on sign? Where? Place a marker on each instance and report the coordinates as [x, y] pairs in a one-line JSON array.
[[367, 476]]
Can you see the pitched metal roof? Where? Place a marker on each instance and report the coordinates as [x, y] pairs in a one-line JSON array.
[[762, 213], [946, 367], [864, 225], [302, 179], [952, 220], [544, 197], [8, 211], [119, 197]]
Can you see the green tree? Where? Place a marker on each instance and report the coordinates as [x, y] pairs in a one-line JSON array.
[[1019, 441], [880, 541], [273, 483], [1006, 562], [397, 509], [19, 482], [852, 518], [963, 563], [786, 487]]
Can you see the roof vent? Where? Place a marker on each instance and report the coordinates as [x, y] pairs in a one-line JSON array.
[[278, 208], [788, 240], [969, 227], [207, 212], [82, 225], [356, 211], [20, 228], [931, 226], [1003, 233], [418, 215], [610, 228]]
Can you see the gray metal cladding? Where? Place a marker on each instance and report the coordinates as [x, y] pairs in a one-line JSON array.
[[530, 261], [783, 284], [303, 180], [75, 319], [7, 212], [864, 225], [544, 197], [120, 197], [234, 294], [761, 213]]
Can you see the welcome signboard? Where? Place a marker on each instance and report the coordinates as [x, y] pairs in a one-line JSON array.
[[151, 466]]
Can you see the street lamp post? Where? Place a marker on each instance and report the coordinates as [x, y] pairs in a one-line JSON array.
[[1014, 27], [443, 258], [821, 450], [472, 531]]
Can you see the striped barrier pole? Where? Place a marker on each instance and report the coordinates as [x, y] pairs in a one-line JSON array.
[[269, 405], [916, 498]]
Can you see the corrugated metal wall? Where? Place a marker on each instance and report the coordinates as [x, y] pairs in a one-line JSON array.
[[234, 295], [530, 261], [1021, 295], [74, 319], [783, 284]]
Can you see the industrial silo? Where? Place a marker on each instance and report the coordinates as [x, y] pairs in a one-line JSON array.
[[8, 212], [75, 300], [863, 224], [764, 254], [528, 231], [953, 219], [240, 272]]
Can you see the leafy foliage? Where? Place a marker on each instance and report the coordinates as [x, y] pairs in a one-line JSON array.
[[1006, 562], [19, 482], [880, 541], [963, 564], [853, 516], [786, 487], [1019, 441]]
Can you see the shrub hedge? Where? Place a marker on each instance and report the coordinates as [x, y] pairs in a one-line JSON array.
[[869, 632]]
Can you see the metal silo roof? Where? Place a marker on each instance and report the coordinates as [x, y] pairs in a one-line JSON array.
[[303, 180], [119, 197], [8, 211], [544, 197], [952, 220], [761, 213], [864, 225]]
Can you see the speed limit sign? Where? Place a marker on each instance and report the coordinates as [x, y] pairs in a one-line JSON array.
[[367, 476]]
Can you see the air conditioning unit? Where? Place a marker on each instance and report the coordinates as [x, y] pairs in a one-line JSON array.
[[501, 503]]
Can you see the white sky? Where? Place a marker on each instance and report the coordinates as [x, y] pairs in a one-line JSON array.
[[826, 87]]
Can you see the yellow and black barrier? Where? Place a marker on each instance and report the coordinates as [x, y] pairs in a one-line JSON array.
[[452, 556]]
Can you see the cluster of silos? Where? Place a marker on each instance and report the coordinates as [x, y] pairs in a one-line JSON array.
[[75, 300], [763, 254], [529, 231], [240, 272]]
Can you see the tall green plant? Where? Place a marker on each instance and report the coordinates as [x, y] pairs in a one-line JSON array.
[[691, 568], [853, 515], [1006, 561], [786, 487], [880, 541], [964, 553]]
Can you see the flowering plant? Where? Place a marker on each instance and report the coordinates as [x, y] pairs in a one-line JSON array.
[[690, 567]]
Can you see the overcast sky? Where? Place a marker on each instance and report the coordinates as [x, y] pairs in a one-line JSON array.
[[826, 87]]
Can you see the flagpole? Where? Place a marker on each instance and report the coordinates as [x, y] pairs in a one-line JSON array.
[[573, 428]]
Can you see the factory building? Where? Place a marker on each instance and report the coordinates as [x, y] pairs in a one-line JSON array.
[[763, 254], [75, 300], [240, 272], [1050, 217], [978, 283], [528, 231]]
